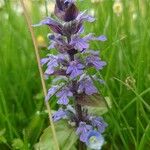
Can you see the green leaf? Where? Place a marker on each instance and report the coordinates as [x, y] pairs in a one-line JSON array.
[[100, 110], [17, 144], [94, 100], [65, 135], [2, 138], [34, 128], [2, 132]]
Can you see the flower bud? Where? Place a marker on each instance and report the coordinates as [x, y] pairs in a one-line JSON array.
[[70, 28], [66, 10]]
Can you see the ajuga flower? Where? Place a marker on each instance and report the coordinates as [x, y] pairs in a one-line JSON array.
[[54, 25], [94, 140], [73, 86], [51, 91], [74, 69], [51, 65], [59, 115], [63, 96], [83, 130], [99, 123], [95, 61], [86, 85]]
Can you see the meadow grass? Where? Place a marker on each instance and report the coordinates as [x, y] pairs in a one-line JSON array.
[[127, 74]]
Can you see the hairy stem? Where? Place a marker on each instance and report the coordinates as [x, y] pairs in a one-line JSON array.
[[79, 114], [81, 146], [78, 107]]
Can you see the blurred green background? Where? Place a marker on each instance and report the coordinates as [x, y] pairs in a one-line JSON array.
[[126, 23]]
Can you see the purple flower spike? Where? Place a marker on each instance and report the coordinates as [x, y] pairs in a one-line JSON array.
[[74, 69], [94, 140], [71, 80], [95, 61], [59, 115], [86, 85], [63, 96], [82, 130], [54, 25], [99, 123]]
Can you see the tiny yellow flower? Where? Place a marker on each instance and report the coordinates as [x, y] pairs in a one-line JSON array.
[[118, 7], [40, 41]]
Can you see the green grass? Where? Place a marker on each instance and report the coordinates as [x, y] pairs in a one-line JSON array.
[[127, 53]]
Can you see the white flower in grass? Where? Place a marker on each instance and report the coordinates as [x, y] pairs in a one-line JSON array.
[[118, 7]]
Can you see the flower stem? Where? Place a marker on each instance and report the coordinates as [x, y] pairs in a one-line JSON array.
[[41, 72], [78, 107], [81, 146]]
